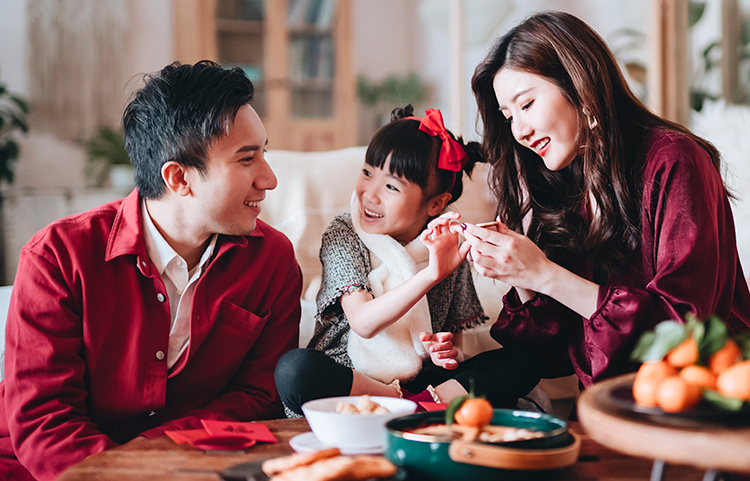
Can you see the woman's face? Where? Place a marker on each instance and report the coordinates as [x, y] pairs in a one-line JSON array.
[[541, 118]]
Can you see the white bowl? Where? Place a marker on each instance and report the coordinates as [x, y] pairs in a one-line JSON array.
[[353, 431]]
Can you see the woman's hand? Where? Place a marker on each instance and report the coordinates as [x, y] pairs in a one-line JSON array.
[[440, 347], [443, 244], [514, 259], [505, 255]]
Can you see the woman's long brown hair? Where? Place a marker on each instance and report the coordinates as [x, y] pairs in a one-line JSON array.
[[567, 52]]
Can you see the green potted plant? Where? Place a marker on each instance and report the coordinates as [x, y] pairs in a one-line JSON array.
[[13, 111], [107, 159], [393, 91]]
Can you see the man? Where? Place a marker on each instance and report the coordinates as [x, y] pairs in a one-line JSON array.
[[167, 307]]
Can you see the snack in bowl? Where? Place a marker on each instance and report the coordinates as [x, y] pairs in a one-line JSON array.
[[365, 406], [353, 432], [685, 364]]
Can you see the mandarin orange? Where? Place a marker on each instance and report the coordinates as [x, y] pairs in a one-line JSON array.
[[475, 413], [735, 381], [700, 376], [685, 354], [729, 355], [674, 394], [648, 377]]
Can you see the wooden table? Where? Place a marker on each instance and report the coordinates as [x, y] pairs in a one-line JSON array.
[[162, 459], [712, 446]]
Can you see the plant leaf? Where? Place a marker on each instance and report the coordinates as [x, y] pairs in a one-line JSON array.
[[695, 12], [723, 402], [453, 407], [743, 341], [666, 336], [643, 346], [714, 338], [695, 327], [21, 103]]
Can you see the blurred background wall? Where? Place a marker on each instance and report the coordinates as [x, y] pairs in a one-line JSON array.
[[405, 45]]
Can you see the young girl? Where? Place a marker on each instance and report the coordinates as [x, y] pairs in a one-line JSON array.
[[396, 292]]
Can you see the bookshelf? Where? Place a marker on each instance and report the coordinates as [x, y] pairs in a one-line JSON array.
[[299, 55]]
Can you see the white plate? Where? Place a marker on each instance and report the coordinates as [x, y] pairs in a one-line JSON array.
[[308, 443]]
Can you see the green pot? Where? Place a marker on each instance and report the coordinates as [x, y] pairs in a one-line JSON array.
[[423, 456]]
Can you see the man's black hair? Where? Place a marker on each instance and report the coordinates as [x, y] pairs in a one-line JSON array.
[[177, 115]]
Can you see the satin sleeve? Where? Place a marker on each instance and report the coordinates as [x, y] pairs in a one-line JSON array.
[[687, 263]]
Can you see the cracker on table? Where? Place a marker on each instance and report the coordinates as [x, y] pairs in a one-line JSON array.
[[340, 468], [284, 463]]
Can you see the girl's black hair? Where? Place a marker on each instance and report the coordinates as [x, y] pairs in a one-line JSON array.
[[414, 155]]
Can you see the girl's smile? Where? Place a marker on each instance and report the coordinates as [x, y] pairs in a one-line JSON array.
[[389, 204], [541, 118]]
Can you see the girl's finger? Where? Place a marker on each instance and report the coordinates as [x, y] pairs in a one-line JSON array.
[[444, 336]]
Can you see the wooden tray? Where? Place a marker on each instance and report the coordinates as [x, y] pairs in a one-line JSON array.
[[704, 444], [519, 459]]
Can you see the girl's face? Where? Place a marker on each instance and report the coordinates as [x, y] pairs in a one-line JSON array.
[[389, 204], [541, 118]]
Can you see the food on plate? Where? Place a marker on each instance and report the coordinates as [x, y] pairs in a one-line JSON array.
[[474, 413], [486, 434], [277, 465], [725, 357], [735, 381], [674, 394], [685, 354], [365, 406], [701, 376], [469, 411], [648, 378], [686, 363], [328, 465]]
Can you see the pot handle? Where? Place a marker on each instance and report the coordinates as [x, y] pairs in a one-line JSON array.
[[494, 456]]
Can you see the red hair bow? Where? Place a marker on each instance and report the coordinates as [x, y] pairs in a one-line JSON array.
[[452, 155]]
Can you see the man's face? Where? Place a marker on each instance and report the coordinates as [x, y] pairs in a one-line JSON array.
[[229, 195]]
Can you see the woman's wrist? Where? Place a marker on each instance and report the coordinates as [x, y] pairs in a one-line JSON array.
[[571, 290]]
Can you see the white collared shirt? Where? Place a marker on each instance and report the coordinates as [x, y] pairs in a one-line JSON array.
[[179, 282]]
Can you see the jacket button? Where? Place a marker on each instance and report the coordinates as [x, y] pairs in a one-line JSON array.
[[161, 297], [160, 355]]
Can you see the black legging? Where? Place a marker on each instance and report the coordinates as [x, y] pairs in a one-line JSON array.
[[502, 376]]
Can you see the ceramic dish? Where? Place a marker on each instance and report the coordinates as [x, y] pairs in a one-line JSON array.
[[309, 443], [424, 456], [353, 432]]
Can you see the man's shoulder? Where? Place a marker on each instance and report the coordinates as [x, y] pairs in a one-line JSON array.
[[275, 239], [94, 223]]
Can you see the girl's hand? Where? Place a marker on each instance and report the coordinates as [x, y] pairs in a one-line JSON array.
[[440, 347], [442, 242], [503, 254]]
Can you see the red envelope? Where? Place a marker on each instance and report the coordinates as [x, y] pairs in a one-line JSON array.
[[259, 432], [187, 436], [434, 406]]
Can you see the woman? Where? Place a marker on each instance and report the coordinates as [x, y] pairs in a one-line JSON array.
[[612, 218]]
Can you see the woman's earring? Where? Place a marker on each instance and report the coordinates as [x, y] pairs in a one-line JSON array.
[[590, 118]]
